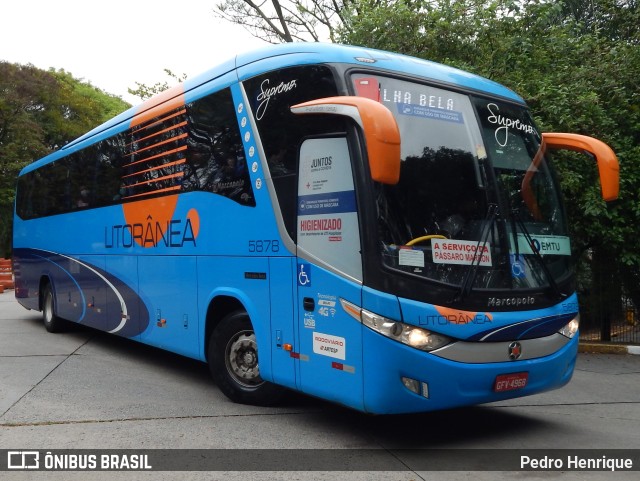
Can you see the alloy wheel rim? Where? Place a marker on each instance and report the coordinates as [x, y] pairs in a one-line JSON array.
[[241, 359]]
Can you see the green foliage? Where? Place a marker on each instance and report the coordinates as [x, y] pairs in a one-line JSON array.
[[145, 92], [39, 112], [576, 63]]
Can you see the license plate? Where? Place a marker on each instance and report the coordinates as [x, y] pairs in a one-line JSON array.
[[510, 382]]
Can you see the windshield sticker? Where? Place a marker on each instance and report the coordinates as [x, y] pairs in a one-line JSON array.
[[460, 252], [505, 123], [545, 244], [411, 257], [426, 106], [329, 203], [481, 152], [267, 91], [326, 205], [430, 113], [518, 266], [423, 100]]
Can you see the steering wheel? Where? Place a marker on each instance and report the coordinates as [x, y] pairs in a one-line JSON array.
[[424, 238]]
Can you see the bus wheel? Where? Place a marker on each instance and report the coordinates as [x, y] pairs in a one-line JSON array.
[[52, 323], [233, 362]]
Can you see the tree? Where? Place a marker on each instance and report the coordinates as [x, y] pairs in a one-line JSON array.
[[577, 64], [41, 111], [278, 21]]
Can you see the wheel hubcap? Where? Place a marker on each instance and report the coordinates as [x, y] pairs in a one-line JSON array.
[[242, 359]]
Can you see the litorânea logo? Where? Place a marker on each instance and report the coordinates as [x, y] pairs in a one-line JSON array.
[[150, 223]]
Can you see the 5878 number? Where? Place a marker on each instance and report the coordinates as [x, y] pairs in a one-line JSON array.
[[264, 246]]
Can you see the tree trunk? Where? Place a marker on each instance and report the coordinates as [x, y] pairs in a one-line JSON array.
[[606, 292]]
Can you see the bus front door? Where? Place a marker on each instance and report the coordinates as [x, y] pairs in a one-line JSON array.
[[283, 313], [329, 268]]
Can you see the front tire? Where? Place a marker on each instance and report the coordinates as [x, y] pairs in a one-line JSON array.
[[233, 362], [52, 323]]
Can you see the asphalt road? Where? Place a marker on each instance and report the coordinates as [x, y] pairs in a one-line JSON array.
[[87, 390]]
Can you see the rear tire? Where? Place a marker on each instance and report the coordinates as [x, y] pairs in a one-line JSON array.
[[233, 362], [52, 323]]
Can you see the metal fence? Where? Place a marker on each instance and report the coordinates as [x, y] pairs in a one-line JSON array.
[[623, 328]]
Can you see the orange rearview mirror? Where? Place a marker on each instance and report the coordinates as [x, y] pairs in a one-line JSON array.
[[381, 132], [608, 166]]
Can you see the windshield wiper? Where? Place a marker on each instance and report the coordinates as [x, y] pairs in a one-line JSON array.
[[515, 216], [467, 282]]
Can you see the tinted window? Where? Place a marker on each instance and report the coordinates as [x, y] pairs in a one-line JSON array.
[[196, 147], [271, 96], [215, 155]]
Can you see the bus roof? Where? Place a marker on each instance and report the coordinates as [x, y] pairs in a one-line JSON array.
[[284, 55], [277, 57]]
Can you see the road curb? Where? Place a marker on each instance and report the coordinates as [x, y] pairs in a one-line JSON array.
[[602, 348]]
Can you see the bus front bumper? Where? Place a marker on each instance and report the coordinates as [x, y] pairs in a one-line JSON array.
[[444, 383]]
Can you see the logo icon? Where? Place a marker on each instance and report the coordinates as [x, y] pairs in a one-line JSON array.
[[23, 460], [515, 350]]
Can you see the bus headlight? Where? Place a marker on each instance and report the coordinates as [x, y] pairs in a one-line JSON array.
[[571, 328], [413, 336]]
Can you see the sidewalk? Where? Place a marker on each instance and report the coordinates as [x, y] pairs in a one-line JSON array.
[[607, 348]]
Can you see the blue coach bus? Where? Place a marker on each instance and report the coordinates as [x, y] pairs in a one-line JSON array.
[[373, 229]]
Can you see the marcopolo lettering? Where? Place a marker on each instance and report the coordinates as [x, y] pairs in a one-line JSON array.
[[510, 301], [173, 233]]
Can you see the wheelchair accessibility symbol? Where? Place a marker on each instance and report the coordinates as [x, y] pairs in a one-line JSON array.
[[518, 267], [304, 275]]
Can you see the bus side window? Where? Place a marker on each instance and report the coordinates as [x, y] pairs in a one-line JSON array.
[[215, 158]]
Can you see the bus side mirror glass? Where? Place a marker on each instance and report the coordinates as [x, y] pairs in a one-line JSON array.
[[381, 132], [608, 166]]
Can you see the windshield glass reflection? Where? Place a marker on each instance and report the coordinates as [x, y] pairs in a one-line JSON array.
[[460, 157]]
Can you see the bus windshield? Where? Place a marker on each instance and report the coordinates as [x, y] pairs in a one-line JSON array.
[[476, 192]]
